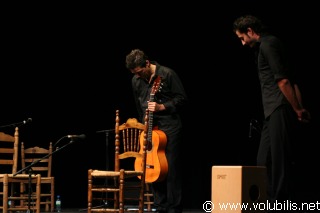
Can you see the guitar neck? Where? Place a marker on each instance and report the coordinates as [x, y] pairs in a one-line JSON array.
[[150, 126], [155, 87]]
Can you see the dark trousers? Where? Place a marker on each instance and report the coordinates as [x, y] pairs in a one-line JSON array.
[[275, 152], [168, 193]]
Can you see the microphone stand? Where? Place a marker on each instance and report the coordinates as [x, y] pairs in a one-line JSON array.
[[107, 161], [107, 131], [30, 169], [16, 124], [254, 125], [107, 144]]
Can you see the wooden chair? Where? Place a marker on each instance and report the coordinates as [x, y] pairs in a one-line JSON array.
[[11, 190], [43, 157], [126, 183]]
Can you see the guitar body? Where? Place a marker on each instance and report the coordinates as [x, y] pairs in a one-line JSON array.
[[156, 162]]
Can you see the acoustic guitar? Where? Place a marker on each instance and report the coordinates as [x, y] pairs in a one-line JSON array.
[[156, 162]]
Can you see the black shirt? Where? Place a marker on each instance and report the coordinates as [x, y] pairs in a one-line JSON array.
[[171, 94], [272, 66]]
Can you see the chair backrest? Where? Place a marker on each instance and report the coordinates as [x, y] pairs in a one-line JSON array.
[[129, 143], [9, 152], [42, 156]]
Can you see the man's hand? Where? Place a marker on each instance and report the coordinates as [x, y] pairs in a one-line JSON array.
[[155, 107], [304, 116]]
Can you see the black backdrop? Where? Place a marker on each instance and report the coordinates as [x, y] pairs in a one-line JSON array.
[[63, 66]]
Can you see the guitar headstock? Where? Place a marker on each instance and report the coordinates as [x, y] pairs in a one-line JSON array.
[[156, 85]]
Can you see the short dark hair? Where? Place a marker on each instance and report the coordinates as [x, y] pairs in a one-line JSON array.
[[136, 58], [242, 24]]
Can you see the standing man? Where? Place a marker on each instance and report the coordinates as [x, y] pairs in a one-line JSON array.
[[166, 106], [282, 105]]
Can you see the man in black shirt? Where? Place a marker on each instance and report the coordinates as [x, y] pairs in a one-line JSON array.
[[165, 106], [282, 105]]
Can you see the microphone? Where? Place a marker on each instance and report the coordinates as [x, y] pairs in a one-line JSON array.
[[82, 136], [250, 130], [73, 137], [29, 120]]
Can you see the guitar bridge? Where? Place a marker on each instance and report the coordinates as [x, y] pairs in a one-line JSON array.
[[149, 166]]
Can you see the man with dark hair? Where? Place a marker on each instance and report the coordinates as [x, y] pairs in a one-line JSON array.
[[282, 105], [166, 107]]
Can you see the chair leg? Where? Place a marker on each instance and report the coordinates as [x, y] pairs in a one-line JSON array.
[[141, 197], [89, 190], [52, 194], [5, 193], [47, 205], [38, 190], [148, 196], [121, 194]]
